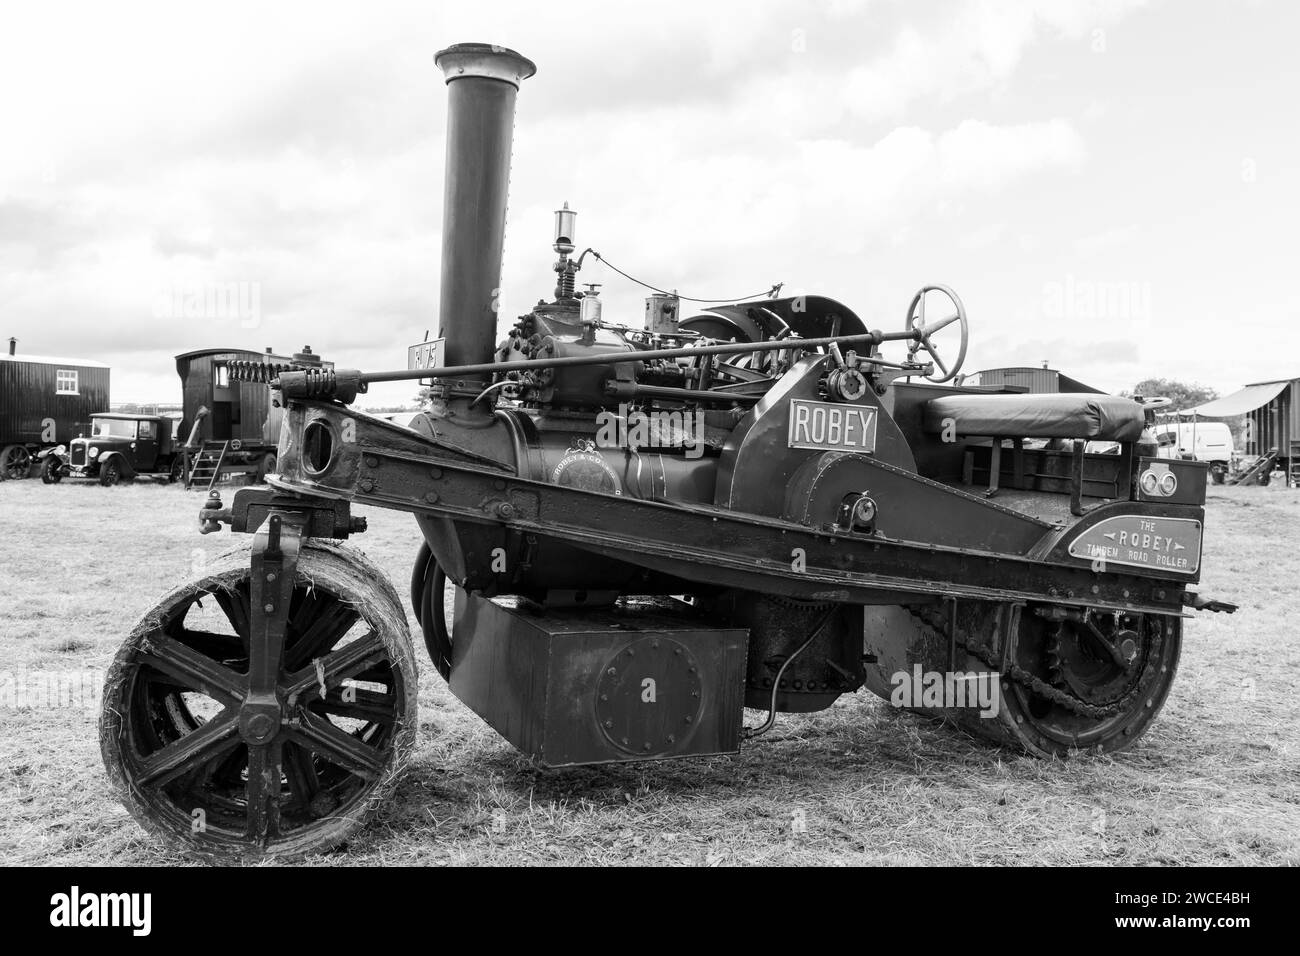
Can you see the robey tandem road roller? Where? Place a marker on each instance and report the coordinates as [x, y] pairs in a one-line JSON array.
[[647, 528]]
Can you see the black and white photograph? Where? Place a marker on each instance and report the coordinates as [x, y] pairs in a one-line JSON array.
[[714, 434]]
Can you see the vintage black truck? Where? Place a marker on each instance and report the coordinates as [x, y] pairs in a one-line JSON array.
[[120, 448]]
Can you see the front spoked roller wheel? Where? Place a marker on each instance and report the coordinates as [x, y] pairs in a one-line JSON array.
[[213, 776]]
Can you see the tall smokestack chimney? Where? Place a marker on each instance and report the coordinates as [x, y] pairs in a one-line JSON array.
[[13, 345], [482, 82]]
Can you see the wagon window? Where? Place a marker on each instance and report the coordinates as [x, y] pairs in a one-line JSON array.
[[221, 376], [147, 431], [65, 382]]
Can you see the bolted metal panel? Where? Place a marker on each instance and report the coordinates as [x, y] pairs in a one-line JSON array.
[[482, 82], [580, 686]]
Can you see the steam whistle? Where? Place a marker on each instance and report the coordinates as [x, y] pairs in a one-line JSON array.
[[566, 269]]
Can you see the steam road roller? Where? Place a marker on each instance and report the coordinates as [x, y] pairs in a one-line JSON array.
[[647, 536]]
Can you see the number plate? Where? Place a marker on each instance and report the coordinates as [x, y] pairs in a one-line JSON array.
[[1162, 544], [832, 427], [425, 355]]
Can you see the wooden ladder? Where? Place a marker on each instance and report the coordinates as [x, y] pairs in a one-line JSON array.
[[205, 466]]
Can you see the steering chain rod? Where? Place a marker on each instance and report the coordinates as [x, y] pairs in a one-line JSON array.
[[340, 383]]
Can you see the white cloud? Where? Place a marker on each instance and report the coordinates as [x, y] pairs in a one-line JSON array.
[[300, 147], [979, 155], [967, 48]]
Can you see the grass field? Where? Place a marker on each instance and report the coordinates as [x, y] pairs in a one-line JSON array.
[[1216, 780]]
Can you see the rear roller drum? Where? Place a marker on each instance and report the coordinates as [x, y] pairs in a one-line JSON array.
[[1093, 684], [192, 771]]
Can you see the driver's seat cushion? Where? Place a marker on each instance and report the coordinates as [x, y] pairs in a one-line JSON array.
[[1103, 417]]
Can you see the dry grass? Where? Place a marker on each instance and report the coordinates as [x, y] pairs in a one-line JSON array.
[[1215, 781]]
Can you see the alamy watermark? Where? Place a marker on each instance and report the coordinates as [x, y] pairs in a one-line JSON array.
[[947, 689], [1077, 298], [634, 430], [74, 908], [213, 302], [74, 689]]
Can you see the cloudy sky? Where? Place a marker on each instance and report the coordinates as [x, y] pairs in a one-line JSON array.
[[1110, 185]]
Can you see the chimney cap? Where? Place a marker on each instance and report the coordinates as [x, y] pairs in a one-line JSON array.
[[462, 60]]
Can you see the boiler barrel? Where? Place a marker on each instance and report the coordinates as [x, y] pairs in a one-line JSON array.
[[482, 82]]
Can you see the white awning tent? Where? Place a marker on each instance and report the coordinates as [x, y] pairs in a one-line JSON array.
[[1238, 403]]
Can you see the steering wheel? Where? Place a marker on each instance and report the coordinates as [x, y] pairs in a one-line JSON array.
[[924, 332]]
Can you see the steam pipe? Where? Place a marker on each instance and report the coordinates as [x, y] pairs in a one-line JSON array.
[[482, 83], [632, 390]]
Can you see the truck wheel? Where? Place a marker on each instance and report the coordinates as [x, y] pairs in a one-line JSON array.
[[170, 726], [177, 470], [51, 470], [1218, 472], [15, 462], [265, 466], [111, 473]]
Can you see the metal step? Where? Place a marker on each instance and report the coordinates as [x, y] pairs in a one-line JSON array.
[[1261, 468], [205, 467]]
